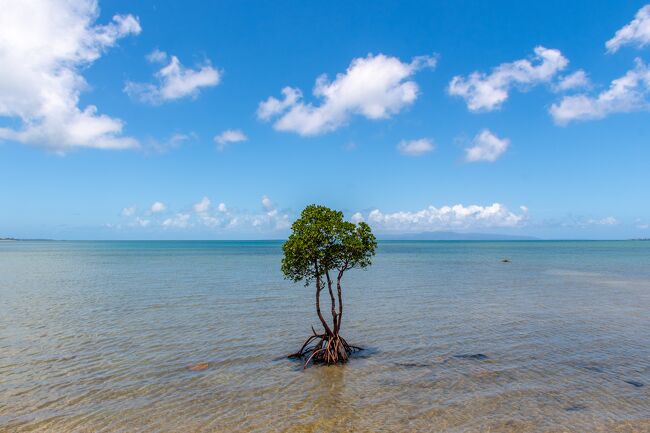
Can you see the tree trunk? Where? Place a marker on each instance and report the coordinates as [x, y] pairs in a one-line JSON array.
[[338, 289], [328, 331], [327, 348]]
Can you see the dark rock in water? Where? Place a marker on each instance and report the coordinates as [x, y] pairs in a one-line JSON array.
[[575, 408], [634, 383], [593, 368], [505, 261], [472, 356], [412, 364], [365, 353]]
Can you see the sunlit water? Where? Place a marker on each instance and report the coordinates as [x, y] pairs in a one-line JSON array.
[[97, 337]]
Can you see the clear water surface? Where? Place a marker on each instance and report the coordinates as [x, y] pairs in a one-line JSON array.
[[97, 337]]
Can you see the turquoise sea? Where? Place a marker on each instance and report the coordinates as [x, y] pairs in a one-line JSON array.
[[98, 337]]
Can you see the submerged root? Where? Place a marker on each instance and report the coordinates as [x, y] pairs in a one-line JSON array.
[[325, 349]]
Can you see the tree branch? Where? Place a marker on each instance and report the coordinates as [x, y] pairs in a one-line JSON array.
[[338, 289]]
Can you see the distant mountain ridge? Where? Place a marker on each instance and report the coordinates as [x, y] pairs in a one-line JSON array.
[[455, 236]]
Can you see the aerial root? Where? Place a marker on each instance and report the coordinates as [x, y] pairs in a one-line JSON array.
[[325, 349]]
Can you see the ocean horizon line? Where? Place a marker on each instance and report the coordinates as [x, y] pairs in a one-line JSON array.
[[380, 239]]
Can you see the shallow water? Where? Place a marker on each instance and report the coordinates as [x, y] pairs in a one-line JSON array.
[[97, 337]]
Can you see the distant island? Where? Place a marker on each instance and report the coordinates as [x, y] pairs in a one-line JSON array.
[[9, 239], [455, 236]]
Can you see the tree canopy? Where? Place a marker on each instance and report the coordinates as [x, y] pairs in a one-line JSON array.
[[321, 240]]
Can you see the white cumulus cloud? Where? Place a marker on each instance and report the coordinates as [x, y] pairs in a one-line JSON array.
[[175, 81], [575, 80], [158, 207], [636, 32], [486, 92], [229, 136], [156, 56], [142, 222], [375, 87], [202, 206], [218, 219], [415, 147], [456, 217], [486, 147], [180, 220], [271, 218], [625, 94], [357, 217], [272, 106], [44, 46], [128, 211], [266, 203]]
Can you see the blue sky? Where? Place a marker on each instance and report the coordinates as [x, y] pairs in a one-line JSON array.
[[168, 120]]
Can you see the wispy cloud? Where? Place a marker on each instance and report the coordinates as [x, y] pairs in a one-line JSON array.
[[415, 147], [156, 146], [229, 136], [625, 94], [575, 80], [607, 221], [636, 32], [487, 92], [174, 81]]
